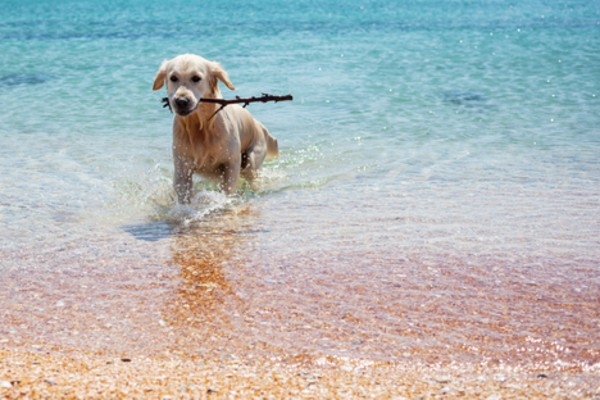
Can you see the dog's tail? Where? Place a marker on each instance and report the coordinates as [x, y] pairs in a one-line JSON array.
[[272, 145]]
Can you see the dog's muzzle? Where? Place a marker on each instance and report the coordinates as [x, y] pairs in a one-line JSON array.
[[183, 105]]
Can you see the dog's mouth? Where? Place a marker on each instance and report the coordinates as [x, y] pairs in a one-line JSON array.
[[184, 112]]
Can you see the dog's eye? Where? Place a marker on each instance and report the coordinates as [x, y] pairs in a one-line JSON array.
[[196, 79], [173, 78]]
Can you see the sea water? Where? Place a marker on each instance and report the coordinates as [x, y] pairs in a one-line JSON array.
[[442, 153]]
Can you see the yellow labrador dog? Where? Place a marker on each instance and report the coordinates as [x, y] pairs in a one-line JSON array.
[[219, 146]]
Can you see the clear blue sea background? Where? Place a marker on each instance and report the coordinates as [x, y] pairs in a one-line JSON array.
[[421, 133]]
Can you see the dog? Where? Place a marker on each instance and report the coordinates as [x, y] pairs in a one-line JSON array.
[[220, 145]]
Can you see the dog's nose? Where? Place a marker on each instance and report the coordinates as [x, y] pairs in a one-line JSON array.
[[182, 102]]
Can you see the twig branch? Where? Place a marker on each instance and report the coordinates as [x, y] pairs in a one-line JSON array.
[[238, 100]]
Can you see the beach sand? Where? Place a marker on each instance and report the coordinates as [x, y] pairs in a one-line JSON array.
[[52, 373]]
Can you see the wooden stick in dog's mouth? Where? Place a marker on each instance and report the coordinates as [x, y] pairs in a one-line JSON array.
[[238, 100]]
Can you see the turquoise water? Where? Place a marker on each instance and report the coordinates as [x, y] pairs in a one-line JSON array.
[[424, 136]]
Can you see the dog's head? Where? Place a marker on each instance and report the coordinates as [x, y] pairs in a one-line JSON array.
[[189, 78]]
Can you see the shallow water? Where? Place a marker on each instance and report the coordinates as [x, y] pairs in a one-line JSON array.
[[436, 198]]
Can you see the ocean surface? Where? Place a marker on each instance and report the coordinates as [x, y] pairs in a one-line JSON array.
[[437, 195]]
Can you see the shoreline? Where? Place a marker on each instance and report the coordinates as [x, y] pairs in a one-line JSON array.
[[200, 323], [59, 373]]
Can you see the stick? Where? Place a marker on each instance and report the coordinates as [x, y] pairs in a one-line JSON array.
[[238, 100]]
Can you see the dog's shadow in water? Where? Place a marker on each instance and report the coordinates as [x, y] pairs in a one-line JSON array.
[[152, 231]]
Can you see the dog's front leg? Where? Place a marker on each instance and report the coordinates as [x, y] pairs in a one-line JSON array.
[[231, 175], [182, 182]]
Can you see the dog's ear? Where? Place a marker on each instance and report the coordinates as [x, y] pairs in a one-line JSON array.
[[159, 79], [219, 73]]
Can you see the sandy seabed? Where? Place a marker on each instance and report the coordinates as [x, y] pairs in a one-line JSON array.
[[195, 321]]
